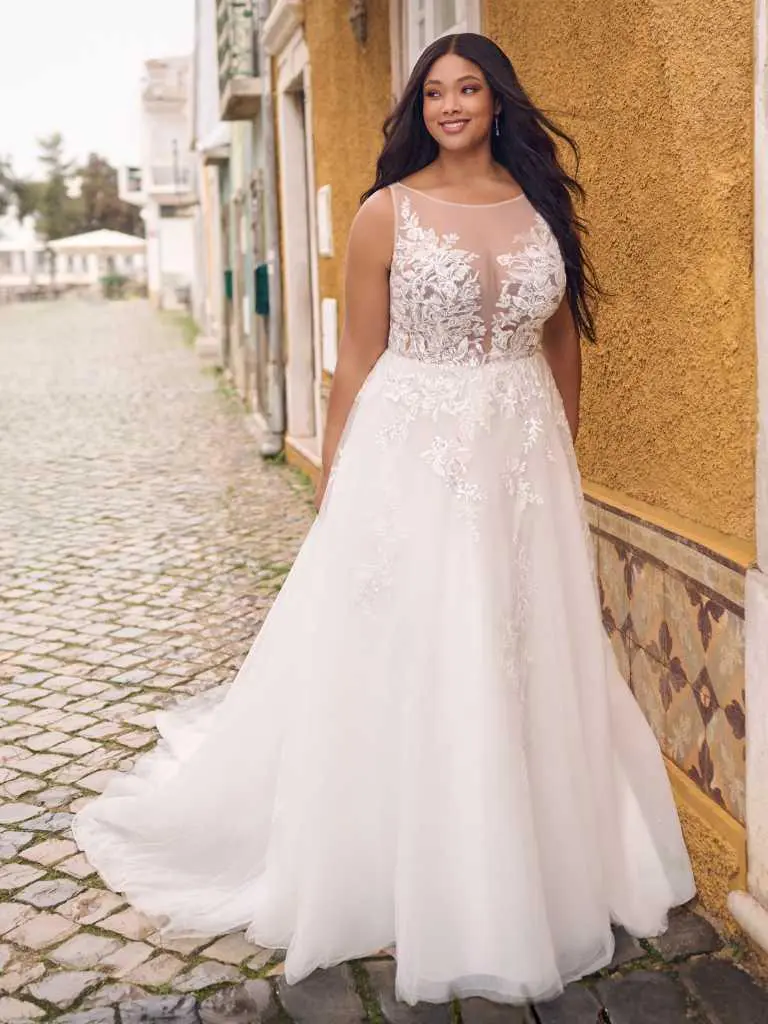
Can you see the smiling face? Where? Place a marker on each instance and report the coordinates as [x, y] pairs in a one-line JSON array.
[[459, 105]]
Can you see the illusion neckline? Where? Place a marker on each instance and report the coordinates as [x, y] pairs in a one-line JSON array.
[[450, 202]]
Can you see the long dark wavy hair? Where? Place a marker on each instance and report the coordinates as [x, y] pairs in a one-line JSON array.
[[525, 146]]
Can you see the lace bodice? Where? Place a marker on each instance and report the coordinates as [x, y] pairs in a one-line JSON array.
[[470, 284]]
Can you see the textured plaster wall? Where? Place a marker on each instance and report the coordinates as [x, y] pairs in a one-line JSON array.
[[659, 96], [350, 97], [716, 844]]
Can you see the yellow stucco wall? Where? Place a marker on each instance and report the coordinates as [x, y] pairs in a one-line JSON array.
[[660, 98], [350, 98]]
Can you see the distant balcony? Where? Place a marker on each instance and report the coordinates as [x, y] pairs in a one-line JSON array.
[[239, 82], [166, 83], [169, 178]]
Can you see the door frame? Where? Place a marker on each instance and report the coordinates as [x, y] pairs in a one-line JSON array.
[[299, 229]]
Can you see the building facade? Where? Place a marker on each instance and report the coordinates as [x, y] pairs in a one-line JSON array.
[[163, 185], [237, 240]]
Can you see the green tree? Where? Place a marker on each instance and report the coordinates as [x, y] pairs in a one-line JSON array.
[[7, 184], [22, 193], [69, 199], [100, 205], [56, 215], [28, 196]]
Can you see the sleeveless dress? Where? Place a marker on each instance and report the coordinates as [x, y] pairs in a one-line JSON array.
[[429, 744]]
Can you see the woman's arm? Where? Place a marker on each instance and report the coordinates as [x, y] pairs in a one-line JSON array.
[[563, 353], [366, 317]]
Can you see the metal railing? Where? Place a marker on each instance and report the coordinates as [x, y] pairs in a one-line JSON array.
[[236, 45], [169, 176]]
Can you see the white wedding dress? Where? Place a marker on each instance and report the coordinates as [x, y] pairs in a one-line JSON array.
[[429, 744]]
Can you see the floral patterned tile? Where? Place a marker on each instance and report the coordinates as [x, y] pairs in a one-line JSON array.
[[614, 568], [592, 513], [646, 676], [595, 552], [725, 738], [620, 649], [704, 774], [646, 602], [725, 657], [690, 559], [683, 649], [684, 730], [689, 616]]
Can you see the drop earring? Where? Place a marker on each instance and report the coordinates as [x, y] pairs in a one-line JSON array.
[[496, 125]]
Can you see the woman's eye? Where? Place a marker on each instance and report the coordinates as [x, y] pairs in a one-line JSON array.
[[432, 94], [470, 88]]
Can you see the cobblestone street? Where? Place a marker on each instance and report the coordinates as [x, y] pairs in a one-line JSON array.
[[142, 540]]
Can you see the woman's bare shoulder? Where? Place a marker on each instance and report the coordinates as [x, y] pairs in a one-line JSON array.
[[377, 208], [374, 224]]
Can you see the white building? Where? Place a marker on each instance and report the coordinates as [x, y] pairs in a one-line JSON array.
[[79, 263], [237, 298], [87, 258], [211, 146], [163, 185], [18, 254]]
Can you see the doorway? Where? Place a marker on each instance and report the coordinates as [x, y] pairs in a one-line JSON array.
[[296, 201]]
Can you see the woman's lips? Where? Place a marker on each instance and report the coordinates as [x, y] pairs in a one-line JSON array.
[[455, 126]]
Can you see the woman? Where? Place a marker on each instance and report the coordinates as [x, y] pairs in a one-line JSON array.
[[429, 744]]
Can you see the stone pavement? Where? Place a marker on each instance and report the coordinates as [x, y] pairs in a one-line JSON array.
[[141, 543]]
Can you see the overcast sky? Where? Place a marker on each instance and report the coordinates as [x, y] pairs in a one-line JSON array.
[[75, 66]]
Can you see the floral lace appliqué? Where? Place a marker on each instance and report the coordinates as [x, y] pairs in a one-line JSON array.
[[533, 285], [439, 289], [435, 296], [460, 405]]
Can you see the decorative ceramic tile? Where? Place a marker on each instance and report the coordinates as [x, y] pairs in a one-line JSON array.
[[613, 561], [592, 512], [688, 614], [725, 657], [703, 774], [646, 602], [690, 559], [620, 645], [646, 676], [674, 615], [726, 744], [595, 549], [684, 730]]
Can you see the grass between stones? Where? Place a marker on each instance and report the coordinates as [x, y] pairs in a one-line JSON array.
[[364, 989]]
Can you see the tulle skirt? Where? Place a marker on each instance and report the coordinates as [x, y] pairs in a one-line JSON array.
[[429, 744]]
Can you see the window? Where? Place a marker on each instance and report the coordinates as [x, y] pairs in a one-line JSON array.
[[6, 263], [133, 179], [70, 264], [416, 23]]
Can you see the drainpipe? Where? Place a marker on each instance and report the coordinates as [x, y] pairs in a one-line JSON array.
[[272, 442]]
